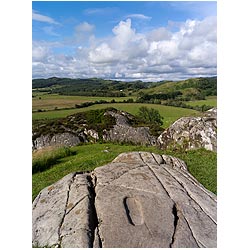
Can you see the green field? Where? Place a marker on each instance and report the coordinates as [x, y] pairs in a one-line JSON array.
[[169, 114], [46, 101], [210, 101], [201, 163]]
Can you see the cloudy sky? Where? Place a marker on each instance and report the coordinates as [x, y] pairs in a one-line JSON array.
[[128, 40]]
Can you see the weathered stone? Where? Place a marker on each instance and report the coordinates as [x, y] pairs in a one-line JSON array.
[[124, 132], [60, 214], [191, 133], [63, 139], [140, 199], [92, 133]]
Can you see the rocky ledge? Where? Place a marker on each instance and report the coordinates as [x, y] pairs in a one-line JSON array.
[[140, 199]]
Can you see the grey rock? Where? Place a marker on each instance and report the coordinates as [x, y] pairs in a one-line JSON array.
[[61, 214], [92, 133], [124, 132], [140, 199], [191, 133], [63, 139], [211, 112]]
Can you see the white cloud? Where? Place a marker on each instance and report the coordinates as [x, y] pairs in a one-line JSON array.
[[100, 11], [39, 52], [82, 33], [159, 54], [84, 27], [123, 33], [102, 54], [159, 34], [139, 16], [42, 18]]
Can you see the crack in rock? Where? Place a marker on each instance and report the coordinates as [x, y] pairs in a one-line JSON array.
[[191, 197], [93, 219], [176, 218], [65, 210]]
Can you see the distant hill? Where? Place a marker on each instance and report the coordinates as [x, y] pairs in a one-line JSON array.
[[190, 89], [186, 90], [89, 87]]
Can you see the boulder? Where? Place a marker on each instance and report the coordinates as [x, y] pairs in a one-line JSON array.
[[191, 133], [122, 131], [62, 139], [140, 199]]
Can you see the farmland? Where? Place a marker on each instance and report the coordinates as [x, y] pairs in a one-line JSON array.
[[210, 101], [45, 101]]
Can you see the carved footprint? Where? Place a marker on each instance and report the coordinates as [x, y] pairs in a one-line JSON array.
[[134, 211]]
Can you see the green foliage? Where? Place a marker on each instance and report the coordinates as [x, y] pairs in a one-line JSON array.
[[48, 159], [166, 96], [185, 90], [150, 116]]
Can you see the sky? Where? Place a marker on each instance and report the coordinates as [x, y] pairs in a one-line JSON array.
[[124, 40]]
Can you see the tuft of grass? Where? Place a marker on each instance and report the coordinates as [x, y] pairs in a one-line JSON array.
[[41, 161], [202, 164]]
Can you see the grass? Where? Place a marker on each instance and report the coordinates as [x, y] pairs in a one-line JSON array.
[[201, 163], [169, 114], [44, 159], [52, 101], [210, 101]]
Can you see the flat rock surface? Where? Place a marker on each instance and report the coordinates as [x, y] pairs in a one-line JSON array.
[[140, 199]]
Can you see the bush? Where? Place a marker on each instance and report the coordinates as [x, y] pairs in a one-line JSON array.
[[150, 116]]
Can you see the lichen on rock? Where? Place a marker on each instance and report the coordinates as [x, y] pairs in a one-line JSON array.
[[191, 133]]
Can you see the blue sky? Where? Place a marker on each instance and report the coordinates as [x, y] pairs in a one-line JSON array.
[[124, 40]]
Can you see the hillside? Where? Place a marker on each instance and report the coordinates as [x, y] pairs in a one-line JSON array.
[[186, 90], [88, 87]]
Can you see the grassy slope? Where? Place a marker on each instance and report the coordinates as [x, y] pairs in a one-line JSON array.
[[210, 101], [169, 114], [164, 88], [201, 163]]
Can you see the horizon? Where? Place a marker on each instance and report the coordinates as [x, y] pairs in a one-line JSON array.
[[120, 80], [124, 41]]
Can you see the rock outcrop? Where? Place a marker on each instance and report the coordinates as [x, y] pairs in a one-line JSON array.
[[140, 199], [122, 131], [191, 133], [62, 139], [74, 129]]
